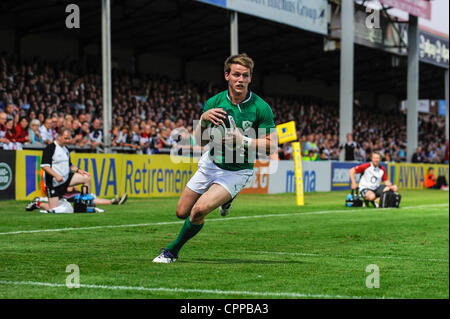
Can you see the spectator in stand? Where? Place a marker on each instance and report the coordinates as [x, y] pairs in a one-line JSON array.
[[419, 156], [165, 141], [67, 91], [46, 131], [351, 148], [33, 132], [10, 136], [125, 138], [446, 152], [147, 142], [21, 130], [84, 135], [115, 135], [96, 135], [387, 158], [312, 150], [11, 111], [136, 136], [3, 119]]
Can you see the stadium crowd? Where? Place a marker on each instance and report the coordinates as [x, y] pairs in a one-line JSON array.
[[38, 100]]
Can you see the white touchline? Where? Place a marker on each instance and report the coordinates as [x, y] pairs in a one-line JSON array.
[[214, 219], [344, 256], [187, 290]]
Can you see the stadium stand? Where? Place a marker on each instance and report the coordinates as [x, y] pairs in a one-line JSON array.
[[39, 99]]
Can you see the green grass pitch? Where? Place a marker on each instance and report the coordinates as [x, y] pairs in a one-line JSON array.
[[266, 248]]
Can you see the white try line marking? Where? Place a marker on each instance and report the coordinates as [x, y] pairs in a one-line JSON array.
[[185, 290], [216, 219], [255, 252]]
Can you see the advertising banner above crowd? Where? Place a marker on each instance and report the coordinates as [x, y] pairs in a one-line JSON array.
[[374, 29], [418, 8], [310, 15]]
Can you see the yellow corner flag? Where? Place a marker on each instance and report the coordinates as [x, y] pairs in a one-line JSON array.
[[286, 132], [298, 173]]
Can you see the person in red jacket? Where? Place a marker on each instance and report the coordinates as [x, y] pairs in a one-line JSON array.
[[21, 130], [10, 137]]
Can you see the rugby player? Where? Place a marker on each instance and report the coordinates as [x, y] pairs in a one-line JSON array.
[[373, 174], [218, 178], [71, 192]]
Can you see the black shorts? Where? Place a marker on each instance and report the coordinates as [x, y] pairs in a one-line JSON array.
[[378, 192], [59, 190]]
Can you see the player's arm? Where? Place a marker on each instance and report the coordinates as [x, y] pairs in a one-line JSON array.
[[46, 163], [266, 139], [75, 169], [50, 171], [353, 178], [357, 170], [266, 144], [386, 181]]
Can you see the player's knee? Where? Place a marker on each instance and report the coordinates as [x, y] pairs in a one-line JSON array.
[[370, 196], [198, 212], [182, 213]]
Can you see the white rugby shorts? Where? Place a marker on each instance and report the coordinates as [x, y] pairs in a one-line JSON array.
[[209, 173]]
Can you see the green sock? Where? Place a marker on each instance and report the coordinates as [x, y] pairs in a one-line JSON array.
[[188, 231]]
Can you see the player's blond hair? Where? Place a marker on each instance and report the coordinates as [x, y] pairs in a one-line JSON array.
[[241, 59]]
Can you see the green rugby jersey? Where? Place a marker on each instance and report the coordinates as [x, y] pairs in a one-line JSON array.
[[251, 113]]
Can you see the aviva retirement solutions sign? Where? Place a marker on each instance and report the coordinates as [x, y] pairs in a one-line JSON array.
[[309, 15]]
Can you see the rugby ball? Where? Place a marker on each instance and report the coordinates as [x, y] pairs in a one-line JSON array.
[[218, 132]]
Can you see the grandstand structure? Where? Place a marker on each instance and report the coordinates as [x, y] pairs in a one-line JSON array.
[[332, 56]]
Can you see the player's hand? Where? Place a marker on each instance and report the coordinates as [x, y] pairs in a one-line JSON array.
[[80, 171], [59, 178], [214, 116], [354, 185], [233, 136]]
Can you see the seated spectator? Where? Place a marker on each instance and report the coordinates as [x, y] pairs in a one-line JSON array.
[[419, 156], [147, 141], [351, 148], [21, 130], [387, 158], [165, 141], [136, 136], [83, 135], [3, 119], [125, 138], [115, 135], [433, 182], [96, 135], [11, 137], [446, 152], [46, 132], [33, 132]]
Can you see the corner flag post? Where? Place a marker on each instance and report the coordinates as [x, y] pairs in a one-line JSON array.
[[287, 133], [298, 174]]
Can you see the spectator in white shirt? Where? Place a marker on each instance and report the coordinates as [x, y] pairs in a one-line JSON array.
[[46, 132]]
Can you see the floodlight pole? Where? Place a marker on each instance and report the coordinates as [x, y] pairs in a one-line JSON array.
[[346, 73], [106, 76], [234, 33], [412, 119]]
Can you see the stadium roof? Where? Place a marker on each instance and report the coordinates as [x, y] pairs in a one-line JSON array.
[[196, 31]]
